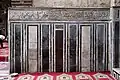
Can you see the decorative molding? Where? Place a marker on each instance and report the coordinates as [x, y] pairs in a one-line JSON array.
[[59, 14], [116, 2]]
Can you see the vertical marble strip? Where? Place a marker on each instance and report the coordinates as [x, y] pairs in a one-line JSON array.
[[112, 41], [64, 49], [85, 48], [95, 47], [21, 43], [93, 44], [54, 51], [77, 44], [107, 46], [25, 45], [80, 46], [38, 48], [119, 45], [14, 45], [68, 48], [49, 48], [10, 47], [96, 56], [41, 51], [104, 48], [21, 57], [65, 44], [52, 46], [91, 49], [24, 50], [105, 58], [110, 58], [11, 35]]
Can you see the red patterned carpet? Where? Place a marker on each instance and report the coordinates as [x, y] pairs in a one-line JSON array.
[[4, 52], [66, 76]]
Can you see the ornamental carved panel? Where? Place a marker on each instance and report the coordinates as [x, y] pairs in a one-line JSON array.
[[58, 14]]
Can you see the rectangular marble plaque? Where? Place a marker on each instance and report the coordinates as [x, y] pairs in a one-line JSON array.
[[85, 54], [32, 50]]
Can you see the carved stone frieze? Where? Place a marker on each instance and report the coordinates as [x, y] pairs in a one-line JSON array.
[[59, 14], [116, 2]]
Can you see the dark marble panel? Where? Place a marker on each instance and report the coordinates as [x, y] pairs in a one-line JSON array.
[[11, 48], [72, 48], [101, 46], [59, 50], [116, 45], [45, 48], [17, 48]]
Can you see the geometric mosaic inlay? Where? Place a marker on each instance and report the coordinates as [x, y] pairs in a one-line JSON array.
[[26, 77], [82, 76], [64, 77], [45, 77], [101, 76]]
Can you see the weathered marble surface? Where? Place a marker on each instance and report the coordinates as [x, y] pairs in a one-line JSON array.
[[72, 3], [32, 48], [85, 48]]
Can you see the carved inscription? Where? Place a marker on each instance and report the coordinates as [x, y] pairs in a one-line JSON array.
[[59, 14]]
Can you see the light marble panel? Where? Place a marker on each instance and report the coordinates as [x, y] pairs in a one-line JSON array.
[[32, 50], [32, 65], [85, 54], [32, 33]]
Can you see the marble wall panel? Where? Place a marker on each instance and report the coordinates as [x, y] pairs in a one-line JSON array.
[[85, 54]]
